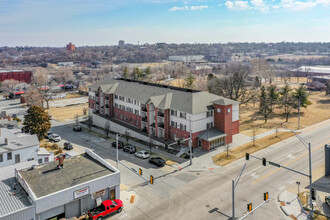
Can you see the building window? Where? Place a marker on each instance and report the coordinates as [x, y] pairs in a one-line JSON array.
[[173, 112], [40, 161], [116, 105], [30, 159], [137, 122], [183, 115], [209, 113], [129, 100], [116, 96], [9, 156], [130, 120], [129, 109], [173, 124], [1, 158], [136, 102], [46, 159], [183, 127], [209, 125], [121, 117], [137, 112], [122, 107]]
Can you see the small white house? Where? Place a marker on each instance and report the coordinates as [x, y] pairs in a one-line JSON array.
[[17, 147]]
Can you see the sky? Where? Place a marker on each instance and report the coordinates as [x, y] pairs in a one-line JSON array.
[[105, 22]]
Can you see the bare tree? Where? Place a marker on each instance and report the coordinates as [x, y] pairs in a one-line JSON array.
[[42, 82], [233, 85], [9, 86], [64, 75]]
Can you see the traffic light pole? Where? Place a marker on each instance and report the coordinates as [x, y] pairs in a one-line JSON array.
[[234, 184], [244, 216], [310, 179]]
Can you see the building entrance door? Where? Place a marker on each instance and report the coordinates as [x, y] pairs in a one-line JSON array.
[[17, 158], [112, 194], [199, 143]]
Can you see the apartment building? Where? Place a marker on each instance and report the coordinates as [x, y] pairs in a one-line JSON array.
[[166, 113]]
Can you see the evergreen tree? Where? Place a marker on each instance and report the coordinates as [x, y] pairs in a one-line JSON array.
[[300, 95], [37, 121], [190, 80], [125, 72], [273, 97], [137, 73], [264, 106], [147, 72], [287, 100]]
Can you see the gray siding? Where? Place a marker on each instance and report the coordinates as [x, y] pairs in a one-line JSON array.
[[51, 213], [72, 209], [66, 196], [25, 214]]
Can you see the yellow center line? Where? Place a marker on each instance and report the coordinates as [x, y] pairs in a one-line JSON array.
[[294, 160]]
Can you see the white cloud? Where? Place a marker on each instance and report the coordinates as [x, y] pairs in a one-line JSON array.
[[260, 5], [200, 7], [297, 5], [237, 5], [276, 7], [184, 8]]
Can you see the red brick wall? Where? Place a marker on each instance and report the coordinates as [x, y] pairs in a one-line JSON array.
[[235, 127], [223, 121], [156, 121], [148, 122], [133, 116], [206, 145], [111, 107], [184, 135], [92, 103], [22, 76], [167, 125]]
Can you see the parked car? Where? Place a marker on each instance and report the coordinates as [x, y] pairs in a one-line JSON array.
[[327, 200], [120, 144], [159, 162], [48, 135], [77, 128], [68, 146], [129, 149], [55, 137], [107, 207], [142, 154]]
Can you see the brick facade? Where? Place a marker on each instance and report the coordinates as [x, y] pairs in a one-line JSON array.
[[22, 76], [223, 121]]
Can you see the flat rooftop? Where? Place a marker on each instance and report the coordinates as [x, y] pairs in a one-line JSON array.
[[47, 179]]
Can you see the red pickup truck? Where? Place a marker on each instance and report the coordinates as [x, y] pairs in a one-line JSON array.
[[107, 207]]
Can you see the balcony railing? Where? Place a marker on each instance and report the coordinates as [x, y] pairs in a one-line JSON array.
[[161, 114], [161, 125], [144, 119], [144, 109], [106, 106]]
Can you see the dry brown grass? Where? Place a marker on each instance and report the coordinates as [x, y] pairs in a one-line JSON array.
[[171, 163], [317, 112], [239, 152], [67, 112]]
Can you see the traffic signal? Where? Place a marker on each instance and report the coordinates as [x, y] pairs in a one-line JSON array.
[[249, 207], [313, 194], [140, 171], [266, 196], [247, 156], [264, 161], [151, 179]]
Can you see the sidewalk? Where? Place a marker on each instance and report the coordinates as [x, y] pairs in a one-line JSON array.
[[137, 144], [291, 205]]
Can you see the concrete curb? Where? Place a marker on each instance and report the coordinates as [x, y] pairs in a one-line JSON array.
[[291, 205]]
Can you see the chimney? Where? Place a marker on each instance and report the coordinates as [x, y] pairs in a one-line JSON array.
[[6, 141]]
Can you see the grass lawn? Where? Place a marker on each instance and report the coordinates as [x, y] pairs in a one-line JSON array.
[[238, 152], [319, 111], [67, 112]]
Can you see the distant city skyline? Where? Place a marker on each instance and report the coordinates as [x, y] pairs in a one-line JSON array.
[[104, 22]]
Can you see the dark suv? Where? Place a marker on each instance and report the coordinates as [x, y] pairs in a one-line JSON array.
[[68, 146], [129, 149], [120, 144]]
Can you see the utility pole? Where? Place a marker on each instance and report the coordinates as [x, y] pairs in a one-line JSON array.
[[310, 180], [117, 150], [299, 112], [233, 198], [190, 141]]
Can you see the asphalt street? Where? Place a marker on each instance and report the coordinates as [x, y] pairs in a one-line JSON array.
[[206, 194]]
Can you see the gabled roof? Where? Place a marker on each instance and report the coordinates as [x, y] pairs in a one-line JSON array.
[[163, 96]]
